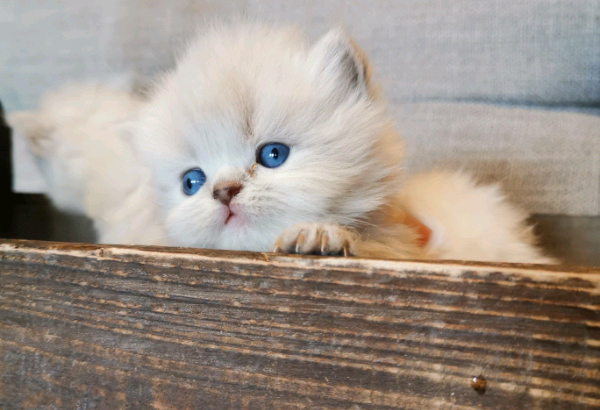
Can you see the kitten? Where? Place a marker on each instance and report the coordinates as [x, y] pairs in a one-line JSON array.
[[258, 141]]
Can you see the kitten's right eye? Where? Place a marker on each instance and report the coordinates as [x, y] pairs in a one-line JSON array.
[[273, 155], [193, 180]]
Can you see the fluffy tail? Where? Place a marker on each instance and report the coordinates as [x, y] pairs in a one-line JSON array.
[[469, 221]]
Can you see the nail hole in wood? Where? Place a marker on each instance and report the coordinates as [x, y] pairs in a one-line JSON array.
[[478, 383]]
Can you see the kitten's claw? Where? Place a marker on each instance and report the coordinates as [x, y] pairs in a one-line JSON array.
[[277, 248], [346, 248], [324, 244], [316, 238], [299, 242]]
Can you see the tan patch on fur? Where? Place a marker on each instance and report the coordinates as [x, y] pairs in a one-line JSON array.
[[252, 170], [247, 114], [401, 217], [248, 126]]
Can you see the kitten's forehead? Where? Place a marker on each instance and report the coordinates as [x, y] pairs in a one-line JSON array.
[[232, 103], [241, 74], [248, 107], [219, 141]]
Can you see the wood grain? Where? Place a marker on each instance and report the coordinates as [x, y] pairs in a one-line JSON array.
[[106, 327]]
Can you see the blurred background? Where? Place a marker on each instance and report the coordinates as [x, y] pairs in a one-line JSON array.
[[509, 89]]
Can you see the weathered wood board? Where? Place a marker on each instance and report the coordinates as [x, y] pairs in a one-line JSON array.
[[107, 327]]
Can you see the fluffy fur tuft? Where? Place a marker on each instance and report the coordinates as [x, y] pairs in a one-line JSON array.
[[236, 89], [469, 221], [90, 168]]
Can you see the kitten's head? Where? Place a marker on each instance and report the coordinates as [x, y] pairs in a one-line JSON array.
[[255, 131]]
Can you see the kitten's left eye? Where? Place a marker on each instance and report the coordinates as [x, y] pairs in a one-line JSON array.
[[273, 155], [193, 180]]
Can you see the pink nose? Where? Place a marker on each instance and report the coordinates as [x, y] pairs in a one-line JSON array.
[[224, 192]]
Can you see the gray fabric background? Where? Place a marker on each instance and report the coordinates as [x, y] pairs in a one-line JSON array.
[[547, 161], [520, 51], [539, 59]]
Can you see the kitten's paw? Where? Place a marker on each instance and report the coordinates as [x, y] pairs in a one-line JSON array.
[[316, 239]]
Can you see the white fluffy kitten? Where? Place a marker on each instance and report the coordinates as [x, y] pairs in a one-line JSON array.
[[258, 141]]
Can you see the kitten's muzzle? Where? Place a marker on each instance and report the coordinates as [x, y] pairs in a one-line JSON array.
[[225, 191]]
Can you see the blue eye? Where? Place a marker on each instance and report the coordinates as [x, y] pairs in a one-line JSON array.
[[193, 181], [273, 155]]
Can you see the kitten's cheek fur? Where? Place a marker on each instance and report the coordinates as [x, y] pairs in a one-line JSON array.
[[317, 239]]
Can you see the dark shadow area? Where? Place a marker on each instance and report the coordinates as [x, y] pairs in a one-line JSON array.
[[573, 239]]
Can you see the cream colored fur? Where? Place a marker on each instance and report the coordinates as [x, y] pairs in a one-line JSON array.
[[90, 169], [120, 160]]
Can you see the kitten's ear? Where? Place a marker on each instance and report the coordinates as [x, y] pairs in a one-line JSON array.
[[340, 65]]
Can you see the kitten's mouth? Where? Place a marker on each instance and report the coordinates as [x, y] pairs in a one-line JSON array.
[[231, 215]]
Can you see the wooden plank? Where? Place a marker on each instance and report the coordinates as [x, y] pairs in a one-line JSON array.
[[107, 327]]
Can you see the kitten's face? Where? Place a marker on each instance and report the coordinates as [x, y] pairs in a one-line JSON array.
[[235, 93]]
